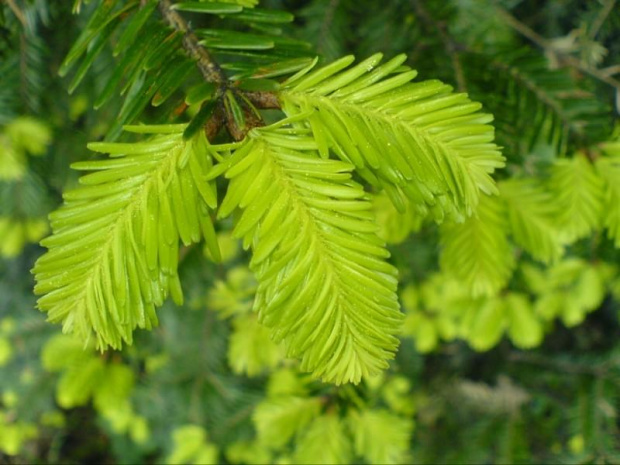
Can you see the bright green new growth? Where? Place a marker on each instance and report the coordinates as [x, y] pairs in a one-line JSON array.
[[477, 251], [325, 288], [114, 252], [416, 140]]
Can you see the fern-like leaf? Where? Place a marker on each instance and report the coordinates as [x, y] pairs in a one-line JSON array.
[[324, 286], [380, 436], [578, 191], [114, 252], [417, 140], [477, 251], [532, 102], [278, 420], [531, 214], [325, 441]]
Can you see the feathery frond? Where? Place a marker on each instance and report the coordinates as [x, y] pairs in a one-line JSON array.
[[531, 213], [114, 252], [278, 420], [524, 327], [578, 192], [534, 103], [416, 140], [325, 441], [380, 436], [325, 288], [477, 251]]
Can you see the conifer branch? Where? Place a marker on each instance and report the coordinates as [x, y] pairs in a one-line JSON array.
[[263, 100], [543, 43], [209, 68], [212, 72]]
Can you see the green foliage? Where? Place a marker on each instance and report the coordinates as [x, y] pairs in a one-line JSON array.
[[477, 251], [380, 436], [191, 446], [279, 420], [556, 105], [119, 232], [531, 213], [308, 291], [299, 201], [578, 193], [22, 195], [436, 149]]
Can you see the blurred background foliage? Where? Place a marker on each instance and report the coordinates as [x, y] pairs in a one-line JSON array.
[[520, 366]]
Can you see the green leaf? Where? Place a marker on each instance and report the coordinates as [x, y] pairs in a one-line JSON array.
[[79, 382], [324, 442], [131, 63], [208, 7], [531, 214], [477, 251], [29, 135], [234, 40], [115, 387], [234, 109], [114, 252], [608, 168], [171, 81], [94, 49], [200, 93], [6, 351], [62, 351], [324, 286], [233, 296], [251, 350], [578, 193], [281, 68], [524, 328], [395, 226], [134, 26], [488, 324], [380, 436], [101, 17], [260, 15], [191, 447], [434, 146], [278, 420]]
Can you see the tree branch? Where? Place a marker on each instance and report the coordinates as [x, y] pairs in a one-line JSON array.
[[210, 70], [263, 100]]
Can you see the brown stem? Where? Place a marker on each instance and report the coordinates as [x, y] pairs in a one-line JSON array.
[[263, 100], [210, 70], [215, 123], [17, 12]]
